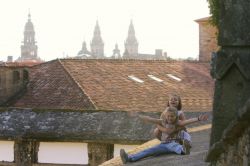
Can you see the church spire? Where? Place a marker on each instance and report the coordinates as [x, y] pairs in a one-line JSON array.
[[29, 17], [97, 45], [131, 30], [131, 44]]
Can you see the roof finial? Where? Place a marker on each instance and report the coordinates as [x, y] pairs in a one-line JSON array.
[[29, 16]]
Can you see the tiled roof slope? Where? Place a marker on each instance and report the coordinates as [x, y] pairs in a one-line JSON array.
[[51, 86], [107, 84], [104, 84]]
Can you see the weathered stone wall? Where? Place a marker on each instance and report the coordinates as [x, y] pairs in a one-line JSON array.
[[237, 153], [12, 81], [233, 148], [207, 40], [230, 65], [229, 143], [74, 125]]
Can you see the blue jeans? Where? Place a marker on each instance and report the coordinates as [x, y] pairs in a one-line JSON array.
[[163, 148], [185, 135]]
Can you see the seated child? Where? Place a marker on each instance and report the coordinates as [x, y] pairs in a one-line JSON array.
[[169, 139], [175, 101]]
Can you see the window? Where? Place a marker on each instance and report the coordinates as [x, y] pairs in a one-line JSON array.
[[25, 76], [155, 78], [16, 77], [135, 79], [174, 77]]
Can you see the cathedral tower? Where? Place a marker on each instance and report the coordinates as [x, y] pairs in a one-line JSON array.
[[29, 47], [131, 44], [97, 45]]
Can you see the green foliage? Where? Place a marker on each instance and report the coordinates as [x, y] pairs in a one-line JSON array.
[[214, 6]]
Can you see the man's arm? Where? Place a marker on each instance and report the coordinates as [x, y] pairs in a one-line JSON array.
[[150, 120], [193, 120]]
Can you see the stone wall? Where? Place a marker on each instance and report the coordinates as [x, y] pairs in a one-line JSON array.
[[207, 39], [12, 81], [237, 153], [74, 125], [234, 146]]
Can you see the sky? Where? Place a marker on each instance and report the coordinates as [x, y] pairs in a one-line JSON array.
[[62, 25]]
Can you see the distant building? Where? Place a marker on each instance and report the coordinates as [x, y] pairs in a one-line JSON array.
[[131, 44], [130, 52], [207, 39], [29, 47], [97, 44], [84, 53]]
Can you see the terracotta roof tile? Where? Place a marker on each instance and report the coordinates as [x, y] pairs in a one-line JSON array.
[[108, 85], [51, 86]]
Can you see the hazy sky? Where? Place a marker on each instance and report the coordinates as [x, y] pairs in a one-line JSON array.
[[62, 25]]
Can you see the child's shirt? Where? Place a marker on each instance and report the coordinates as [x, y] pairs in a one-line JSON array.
[[164, 136]]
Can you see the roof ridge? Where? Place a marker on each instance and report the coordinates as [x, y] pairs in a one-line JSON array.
[[133, 60], [43, 63], [79, 86]]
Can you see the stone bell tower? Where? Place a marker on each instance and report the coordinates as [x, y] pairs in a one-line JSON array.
[[29, 47]]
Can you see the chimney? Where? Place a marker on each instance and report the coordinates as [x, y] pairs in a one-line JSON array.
[[10, 59]]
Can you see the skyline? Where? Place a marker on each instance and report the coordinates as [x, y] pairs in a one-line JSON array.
[[63, 26]]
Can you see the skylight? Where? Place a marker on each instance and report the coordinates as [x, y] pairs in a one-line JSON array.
[[173, 77], [135, 79], [155, 78]]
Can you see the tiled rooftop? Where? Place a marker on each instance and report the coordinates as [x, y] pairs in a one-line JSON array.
[[105, 84]]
